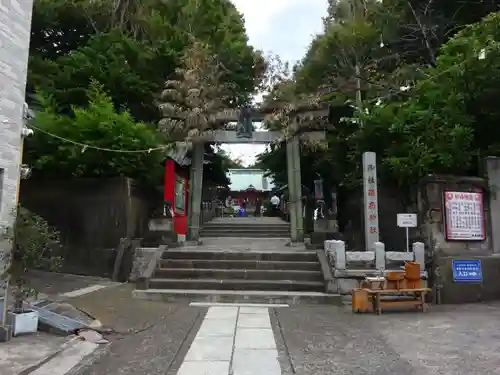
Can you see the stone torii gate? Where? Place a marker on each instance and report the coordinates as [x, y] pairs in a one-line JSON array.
[[251, 137]]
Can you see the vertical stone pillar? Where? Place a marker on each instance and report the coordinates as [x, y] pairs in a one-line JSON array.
[[340, 255], [195, 191], [15, 27], [493, 172], [379, 256], [297, 180], [329, 247], [419, 254], [292, 196], [370, 199]]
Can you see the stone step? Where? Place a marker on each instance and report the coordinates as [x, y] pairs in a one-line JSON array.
[[234, 234], [239, 264], [242, 274], [244, 226], [246, 230], [236, 284], [232, 296], [290, 256]]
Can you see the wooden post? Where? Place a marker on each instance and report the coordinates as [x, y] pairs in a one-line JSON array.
[[195, 191], [291, 190]]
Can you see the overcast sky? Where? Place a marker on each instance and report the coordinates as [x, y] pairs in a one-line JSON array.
[[283, 27]]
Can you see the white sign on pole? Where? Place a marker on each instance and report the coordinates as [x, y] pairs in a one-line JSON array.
[[407, 220], [370, 199]]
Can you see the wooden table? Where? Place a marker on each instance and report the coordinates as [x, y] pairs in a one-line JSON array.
[[418, 299]]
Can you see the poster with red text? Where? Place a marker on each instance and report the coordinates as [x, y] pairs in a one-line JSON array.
[[464, 216]]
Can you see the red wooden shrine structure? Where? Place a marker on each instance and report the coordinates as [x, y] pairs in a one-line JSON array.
[[175, 193]]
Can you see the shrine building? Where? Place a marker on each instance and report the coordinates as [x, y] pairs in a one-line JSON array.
[[249, 183]]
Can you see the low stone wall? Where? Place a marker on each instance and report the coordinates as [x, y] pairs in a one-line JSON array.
[[160, 234], [450, 292], [349, 267], [141, 258]]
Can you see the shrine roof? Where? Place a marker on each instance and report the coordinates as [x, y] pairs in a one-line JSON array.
[[243, 178]]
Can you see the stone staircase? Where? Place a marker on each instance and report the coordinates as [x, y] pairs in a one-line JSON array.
[[269, 276], [246, 227]]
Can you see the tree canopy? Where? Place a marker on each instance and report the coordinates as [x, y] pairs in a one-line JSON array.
[[97, 69], [425, 73]]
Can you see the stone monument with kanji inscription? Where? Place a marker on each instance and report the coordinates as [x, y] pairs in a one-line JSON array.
[[370, 200]]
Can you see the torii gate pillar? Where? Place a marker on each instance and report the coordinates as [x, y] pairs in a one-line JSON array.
[[293, 167], [195, 191], [295, 189]]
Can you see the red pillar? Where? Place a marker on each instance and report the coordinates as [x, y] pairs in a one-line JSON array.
[[169, 185], [179, 215]]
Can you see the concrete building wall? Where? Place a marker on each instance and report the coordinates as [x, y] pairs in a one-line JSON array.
[[15, 26]]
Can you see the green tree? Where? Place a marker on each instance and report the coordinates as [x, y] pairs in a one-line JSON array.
[[130, 49], [448, 122], [98, 125], [442, 125]]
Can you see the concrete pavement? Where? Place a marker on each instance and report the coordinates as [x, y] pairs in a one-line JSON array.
[[306, 340], [149, 337], [43, 353], [448, 340], [174, 339]]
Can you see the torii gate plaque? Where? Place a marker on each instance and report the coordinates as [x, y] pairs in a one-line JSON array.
[[245, 123]]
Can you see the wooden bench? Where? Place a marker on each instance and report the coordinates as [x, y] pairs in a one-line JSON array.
[[361, 299]]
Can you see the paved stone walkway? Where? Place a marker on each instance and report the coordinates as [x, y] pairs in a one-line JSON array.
[[172, 339], [188, 340], [233, 340]]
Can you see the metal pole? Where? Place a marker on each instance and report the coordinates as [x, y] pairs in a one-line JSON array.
[[407, 240]]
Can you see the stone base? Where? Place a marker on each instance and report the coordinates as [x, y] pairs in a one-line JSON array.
[[344, 286], [186, 296], [191, 243], [5, 333], [319, 238], [157, 238], [328, 226], [452, 292], [140, 261], [162, 224]]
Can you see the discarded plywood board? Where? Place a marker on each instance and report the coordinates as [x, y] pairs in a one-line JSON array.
[[61, 324]]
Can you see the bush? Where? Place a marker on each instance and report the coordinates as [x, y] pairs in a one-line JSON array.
[[35, 245]]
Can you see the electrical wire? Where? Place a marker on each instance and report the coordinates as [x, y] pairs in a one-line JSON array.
[[86, 146]]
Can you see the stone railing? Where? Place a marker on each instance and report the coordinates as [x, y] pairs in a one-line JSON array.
[[208, 211], [349, 267]]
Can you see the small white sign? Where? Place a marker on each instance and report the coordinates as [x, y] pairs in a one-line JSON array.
[[407, 220]]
